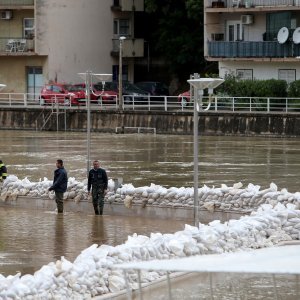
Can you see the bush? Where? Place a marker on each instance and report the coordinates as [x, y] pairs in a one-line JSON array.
[[294, 89], [253, 88]]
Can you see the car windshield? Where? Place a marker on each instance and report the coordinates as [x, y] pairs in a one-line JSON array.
[[127, 86], [108, 86], [74, 88]]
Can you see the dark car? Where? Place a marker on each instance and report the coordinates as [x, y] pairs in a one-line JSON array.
[[131, 93], [154, 88]]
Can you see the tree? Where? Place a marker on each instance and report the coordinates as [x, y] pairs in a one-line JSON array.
[[177, 29]]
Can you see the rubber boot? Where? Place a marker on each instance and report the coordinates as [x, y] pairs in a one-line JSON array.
[[96, 209]]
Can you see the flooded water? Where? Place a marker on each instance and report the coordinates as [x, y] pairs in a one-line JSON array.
[[29, 239], [161, 159]]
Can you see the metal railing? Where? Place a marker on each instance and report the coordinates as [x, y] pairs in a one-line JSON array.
[[16, 45], [16, 2], [252, 49], [253, 3], [156, 103]]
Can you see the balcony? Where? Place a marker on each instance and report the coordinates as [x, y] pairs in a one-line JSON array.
[[270, 49], [250, 5], [11, 4], [16, 46], [131, 47], [128, 5]]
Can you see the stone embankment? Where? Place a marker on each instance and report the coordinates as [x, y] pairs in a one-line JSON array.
[[165, 122]]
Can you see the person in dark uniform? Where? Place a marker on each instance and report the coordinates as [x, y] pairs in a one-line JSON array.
[[3, 171], [59, 186], [98, 181]]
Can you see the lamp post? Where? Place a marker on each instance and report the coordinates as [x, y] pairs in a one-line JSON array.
[[121, 39], [198, 85], [88, 78]]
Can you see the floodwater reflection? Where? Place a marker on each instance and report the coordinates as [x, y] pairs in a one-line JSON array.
[[31, 239]]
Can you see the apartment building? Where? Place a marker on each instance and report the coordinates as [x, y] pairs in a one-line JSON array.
[[253, 38], [45, 41]]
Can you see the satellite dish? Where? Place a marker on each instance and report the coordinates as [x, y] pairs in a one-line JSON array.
[[282, 35], [296, 36]]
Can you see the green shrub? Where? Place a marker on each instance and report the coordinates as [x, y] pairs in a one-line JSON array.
[[294, 89]]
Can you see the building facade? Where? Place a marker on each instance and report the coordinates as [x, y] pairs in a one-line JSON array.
[[253, 38], [44, 41]]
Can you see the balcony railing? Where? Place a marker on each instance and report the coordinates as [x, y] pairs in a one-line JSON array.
[[16, 2], [131, 47], [252, 3], [128, 5], [16, 45], [252, 49]]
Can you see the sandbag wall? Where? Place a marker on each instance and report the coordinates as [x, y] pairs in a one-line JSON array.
[[224, 198]]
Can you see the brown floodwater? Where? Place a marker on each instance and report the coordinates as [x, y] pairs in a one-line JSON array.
[[160, 159], [30, 239]]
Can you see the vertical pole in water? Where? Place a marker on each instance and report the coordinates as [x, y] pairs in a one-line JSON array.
[[196, 150], [87, 93], [140, 285], [57, 112], [211, 287], [128, 291], [275, 288], [169, 286]]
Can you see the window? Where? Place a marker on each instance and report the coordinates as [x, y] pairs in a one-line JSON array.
[[34, 81], [289, 75], [116, 72], [28, 28], [235, 31], [275, 21], [121, 27], [244, 74]]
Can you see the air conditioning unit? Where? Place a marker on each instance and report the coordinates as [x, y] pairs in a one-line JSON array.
[[247, 19], [6, 14]]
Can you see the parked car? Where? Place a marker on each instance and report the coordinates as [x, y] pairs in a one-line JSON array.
[[154, 88], [99, 94], [184, 98], [64, 94], [130, 92]]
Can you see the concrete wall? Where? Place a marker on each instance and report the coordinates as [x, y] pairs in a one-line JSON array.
[[76, 35], [210, 123]]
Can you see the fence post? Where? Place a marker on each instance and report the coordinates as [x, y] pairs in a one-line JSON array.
[[250, 104], [9, 98], [25, 100], [149, 103], [216, 103], [268, 105], [232, 103], [286, 105], [166, 103]]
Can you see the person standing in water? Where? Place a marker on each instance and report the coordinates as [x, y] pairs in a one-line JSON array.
[[59, 186], [98, 181]]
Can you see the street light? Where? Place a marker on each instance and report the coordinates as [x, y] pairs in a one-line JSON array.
[[198, 85], [121, 39], [88, 78]]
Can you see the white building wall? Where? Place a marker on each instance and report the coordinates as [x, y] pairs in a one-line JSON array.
[[76, 35], [260, 70]]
